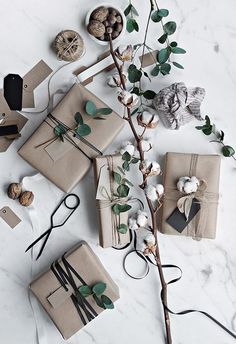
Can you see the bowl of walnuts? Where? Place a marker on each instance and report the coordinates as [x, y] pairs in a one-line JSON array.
[[104, 21]]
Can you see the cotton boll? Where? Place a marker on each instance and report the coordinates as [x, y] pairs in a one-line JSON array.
[[145, 240], [160, 190], [146, 145], [195, 180], [181, 182], [142, 218], [133, 223], [150, 168], [127, 147], [151, 192]]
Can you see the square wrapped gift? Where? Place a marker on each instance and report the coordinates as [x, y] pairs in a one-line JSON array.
[[59, 290], [109, 234], [201, 220], [66, 162]]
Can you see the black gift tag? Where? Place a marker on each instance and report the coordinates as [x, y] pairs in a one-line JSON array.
[[178, 220], [13, 86], [8, 130]]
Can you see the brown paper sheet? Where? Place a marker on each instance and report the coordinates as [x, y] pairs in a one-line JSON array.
[[108, 235], [65, 316], [205, 167], [70, 168]]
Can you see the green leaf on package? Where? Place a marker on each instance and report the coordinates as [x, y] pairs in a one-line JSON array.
[[177, 65], [79, 118], [177, 50], [83, 130], [128, 182], [107, 303], [99, 288], [124, 207], [98, 301], [117, 177], [123, 190], [104, 111], [90, 108], [165, 68], [60, 130], [122, 228], [155, 71], [85, 290]]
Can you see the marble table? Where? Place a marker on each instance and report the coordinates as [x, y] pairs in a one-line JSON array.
[[207, 30]]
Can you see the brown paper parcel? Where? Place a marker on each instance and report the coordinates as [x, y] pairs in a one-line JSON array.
[[57, 301], [108, 234], [62, 162], [204, 167]]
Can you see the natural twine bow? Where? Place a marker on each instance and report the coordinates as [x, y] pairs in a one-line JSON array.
[[184, 205]]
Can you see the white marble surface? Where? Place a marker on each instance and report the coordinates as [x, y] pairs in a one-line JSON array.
[[207, 30]]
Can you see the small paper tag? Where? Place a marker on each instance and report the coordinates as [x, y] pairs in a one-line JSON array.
[[103, 184], [178, 220], [13, 85], [9, 217], [58, 297]]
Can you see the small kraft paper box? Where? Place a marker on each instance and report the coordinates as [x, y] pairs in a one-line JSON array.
[[57, 289], [203, 213], [65, 163], [105, 189]]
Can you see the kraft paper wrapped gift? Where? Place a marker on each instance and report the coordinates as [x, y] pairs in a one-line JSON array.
[[59, 298], [65, 163], [204, 167], [106, 187]]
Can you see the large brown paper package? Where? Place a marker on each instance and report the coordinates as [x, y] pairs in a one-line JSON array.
[[58, 302], [105, 184], [62, 162], [204, 167]]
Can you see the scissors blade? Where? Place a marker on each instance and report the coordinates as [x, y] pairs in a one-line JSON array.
[[38, 239], [43, 245]]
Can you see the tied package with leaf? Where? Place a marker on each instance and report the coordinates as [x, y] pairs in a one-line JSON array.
[[80, 128], [75, 290], [112, 201], [191, 183]]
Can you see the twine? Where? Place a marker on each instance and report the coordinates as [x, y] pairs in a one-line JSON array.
[[69, 45]]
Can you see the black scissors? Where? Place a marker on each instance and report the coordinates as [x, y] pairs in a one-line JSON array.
[[48, 232]]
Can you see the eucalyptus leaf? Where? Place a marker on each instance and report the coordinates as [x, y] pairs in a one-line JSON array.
[[208, 130], [134, 112], [123, 208], [121, 170], [85, 290], [98, 301], [155, 71], [122, 228], [135, 160], [149, 94], [173, 44], [165, 68], [163, 55], [177, 50], [134, 74], [170, 27], [99, 288], [116, 209], [83, 130], [107, 303], [79, 118], [228, 151], [126, 156], [132, 25], [117, 177], [60, 130], [136, 91], [104, 111], [126, 166], [208, 121], [128, 182], [127, 10], [163, 12], [163, 38], [155, 17], [90, 108], [134, 11], [177, 65], [123, 190]]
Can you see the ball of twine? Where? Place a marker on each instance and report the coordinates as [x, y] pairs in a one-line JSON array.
[[69, 45]]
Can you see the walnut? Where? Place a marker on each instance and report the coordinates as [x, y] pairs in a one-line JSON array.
[[26, 198], [14, 190], [100, 14], [96, 28]]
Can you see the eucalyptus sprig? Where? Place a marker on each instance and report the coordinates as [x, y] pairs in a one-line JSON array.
[[131, 12], [209, 128], [96, 291], [82, 129]]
